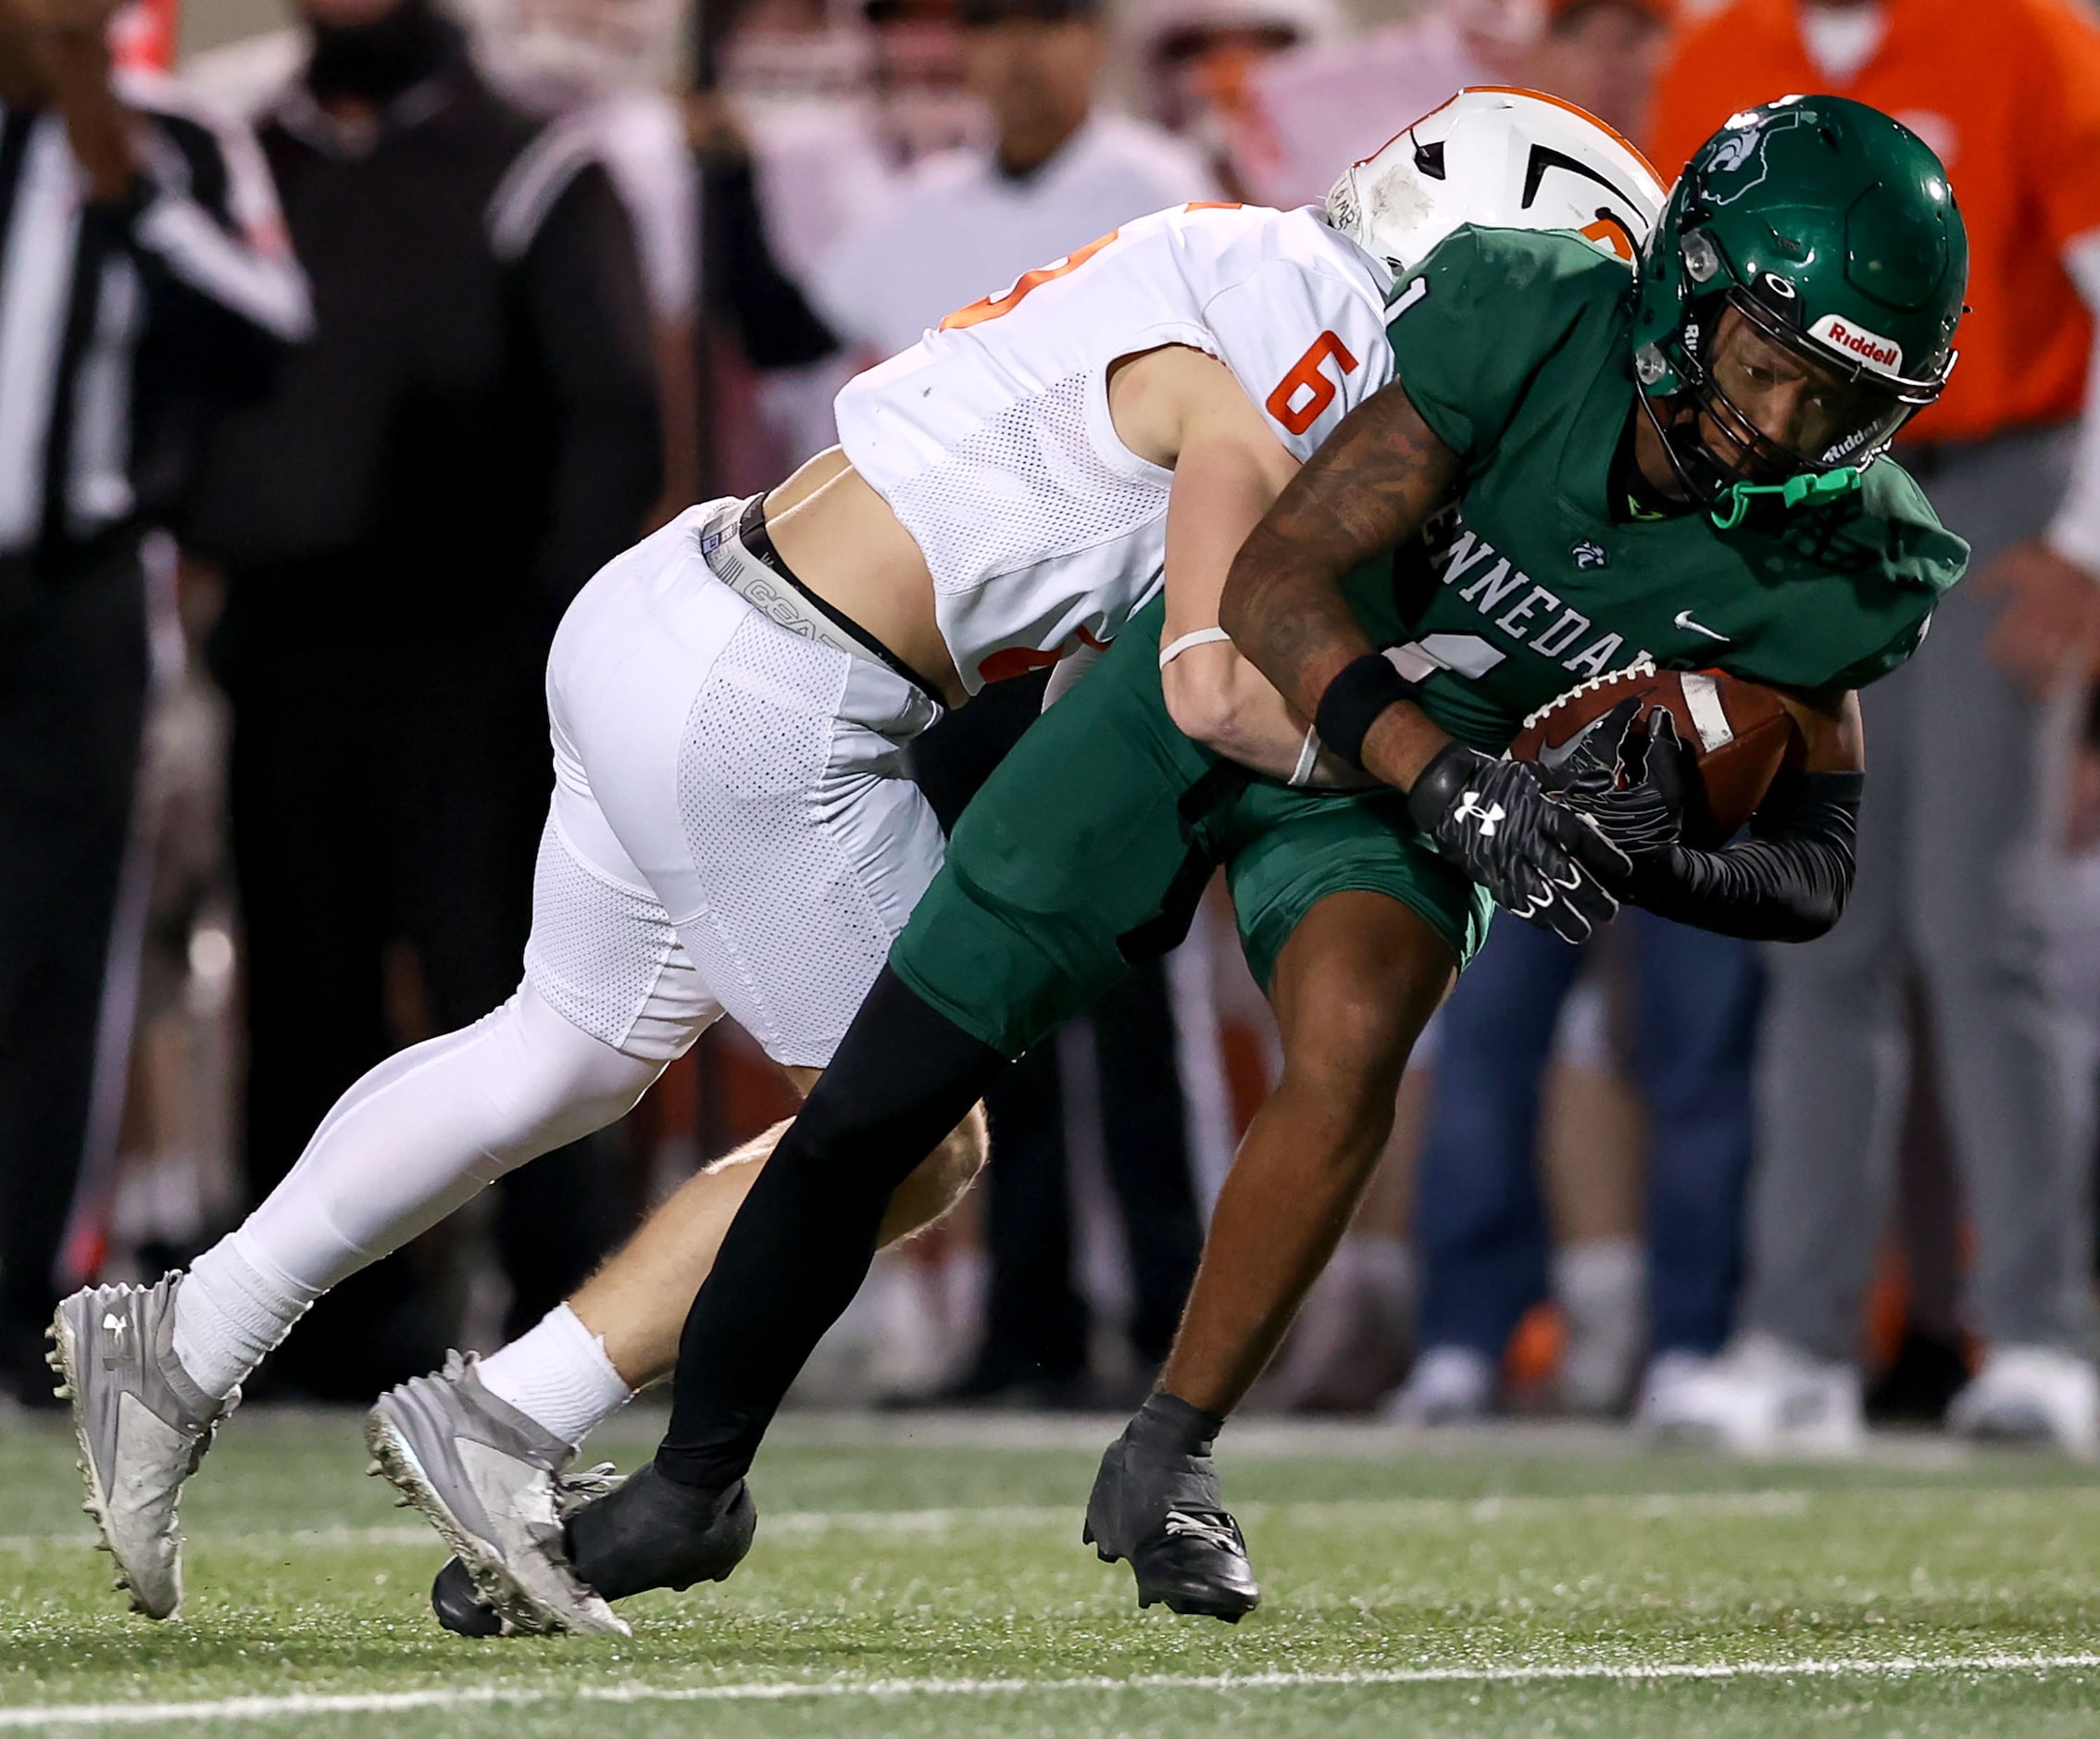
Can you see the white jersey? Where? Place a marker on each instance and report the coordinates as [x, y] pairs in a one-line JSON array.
[[992, 441]]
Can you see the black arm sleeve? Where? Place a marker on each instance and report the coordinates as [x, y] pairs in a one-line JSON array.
[[589, 318], [1788, 883], [775, 326]]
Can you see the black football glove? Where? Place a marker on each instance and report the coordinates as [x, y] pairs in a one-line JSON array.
[[1632, 775], [1788, 883], [1539, 858]]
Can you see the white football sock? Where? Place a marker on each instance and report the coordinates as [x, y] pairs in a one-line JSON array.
[[233, 1306], [1601, 1285], [559, 1374]]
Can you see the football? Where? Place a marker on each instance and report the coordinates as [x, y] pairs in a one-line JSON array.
[[1740, 734]]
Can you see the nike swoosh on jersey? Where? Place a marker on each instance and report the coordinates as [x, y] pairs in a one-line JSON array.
[[1684, 620]]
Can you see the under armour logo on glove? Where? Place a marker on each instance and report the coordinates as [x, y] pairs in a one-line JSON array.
[[1487, 816], [1540, 858]]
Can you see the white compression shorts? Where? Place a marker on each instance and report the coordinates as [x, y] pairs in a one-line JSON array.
[[732, 828]]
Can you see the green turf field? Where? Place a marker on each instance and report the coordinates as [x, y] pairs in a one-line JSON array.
[[925, 1577]]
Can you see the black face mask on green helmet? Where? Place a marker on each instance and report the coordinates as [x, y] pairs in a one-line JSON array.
[[1797, 302]]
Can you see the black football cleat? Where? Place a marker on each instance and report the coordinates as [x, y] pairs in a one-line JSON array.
[[458, 1608], [653, 1532], [1161, 1510]]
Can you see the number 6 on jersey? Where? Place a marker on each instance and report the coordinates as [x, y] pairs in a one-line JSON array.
[[1306, 376]]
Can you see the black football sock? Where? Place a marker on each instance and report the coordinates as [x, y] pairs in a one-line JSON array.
[[799, 1247], [1169, 1425]]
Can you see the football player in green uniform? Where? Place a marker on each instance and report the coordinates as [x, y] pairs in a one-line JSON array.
[[1564, 479]]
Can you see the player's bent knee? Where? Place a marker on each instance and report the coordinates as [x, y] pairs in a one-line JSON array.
[[1354, 985], [1354, 1032], [1345, 1052], [556, 1083], [940, 1181]]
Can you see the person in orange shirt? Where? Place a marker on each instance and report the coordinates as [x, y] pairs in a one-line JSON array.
[[2008, 96]]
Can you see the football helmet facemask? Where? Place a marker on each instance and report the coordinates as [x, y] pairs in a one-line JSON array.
[[1797, 302]]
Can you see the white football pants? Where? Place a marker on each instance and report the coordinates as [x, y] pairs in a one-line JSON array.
[[732, 832]]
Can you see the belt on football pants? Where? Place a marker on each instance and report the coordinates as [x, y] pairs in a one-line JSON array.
[[739, 552]]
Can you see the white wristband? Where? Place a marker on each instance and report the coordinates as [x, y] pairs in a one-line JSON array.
[[1309, 758], [1201, 637]]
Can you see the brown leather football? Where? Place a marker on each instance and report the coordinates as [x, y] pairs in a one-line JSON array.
[[1740, 732]]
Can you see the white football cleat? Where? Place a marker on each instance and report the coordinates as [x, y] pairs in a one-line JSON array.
[[494, 1483], [1762, 1396], [1449, 1385], [1660, 1381], [142, 1424], [2033, 1394]]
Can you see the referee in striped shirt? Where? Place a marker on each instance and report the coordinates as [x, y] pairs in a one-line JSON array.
[[145, 282]]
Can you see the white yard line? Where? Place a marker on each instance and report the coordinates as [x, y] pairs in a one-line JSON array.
[[639, 1427], [1464, 1511], [806, 1523], [302, 1705], [1263, 1437]]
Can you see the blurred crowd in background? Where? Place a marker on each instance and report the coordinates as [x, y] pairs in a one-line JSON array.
[[274, 755]]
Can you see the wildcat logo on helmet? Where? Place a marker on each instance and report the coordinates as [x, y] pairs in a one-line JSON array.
[[1737, 163], [1884, 356]]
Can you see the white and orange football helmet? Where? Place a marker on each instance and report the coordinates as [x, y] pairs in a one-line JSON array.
[[1500, 157]]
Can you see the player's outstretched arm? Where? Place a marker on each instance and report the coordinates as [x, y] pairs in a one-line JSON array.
[[1380, 476], [1229, 470], [1374, 483]]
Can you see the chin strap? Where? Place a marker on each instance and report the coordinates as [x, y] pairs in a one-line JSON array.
[[1810, 489]]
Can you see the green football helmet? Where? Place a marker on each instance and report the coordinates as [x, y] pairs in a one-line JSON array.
[[1831, 231]]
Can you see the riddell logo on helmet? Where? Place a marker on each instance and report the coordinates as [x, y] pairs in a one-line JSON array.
[[1884, 356]]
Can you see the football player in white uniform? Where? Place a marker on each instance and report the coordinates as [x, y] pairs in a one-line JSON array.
[[731, 830]]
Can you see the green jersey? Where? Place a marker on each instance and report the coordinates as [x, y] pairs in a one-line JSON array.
[[1514, 346], [1088, 847]]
